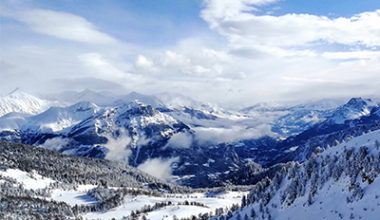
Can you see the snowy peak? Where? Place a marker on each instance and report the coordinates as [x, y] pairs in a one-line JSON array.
[[353, 109], [137, 118], [23, 103]]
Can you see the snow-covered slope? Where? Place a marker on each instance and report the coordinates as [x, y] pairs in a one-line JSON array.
[[56, 119], [289, 120], [53, 120], [39, 182], [13, 121], [23, 103], [341, 182], [298, 119], [139, 128]]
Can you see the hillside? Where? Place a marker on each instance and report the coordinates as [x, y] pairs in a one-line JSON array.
[[341, 182], [36, 183]]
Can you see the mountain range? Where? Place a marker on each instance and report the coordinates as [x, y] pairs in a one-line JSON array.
[[280, 159], [204, 143]]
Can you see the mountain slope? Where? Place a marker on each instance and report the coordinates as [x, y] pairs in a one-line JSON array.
[[36, 183], [321, 135], [355, 108], [340, 183], [56, 119]]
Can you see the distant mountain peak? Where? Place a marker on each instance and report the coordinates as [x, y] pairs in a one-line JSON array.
[[353, 109], [22, 102]]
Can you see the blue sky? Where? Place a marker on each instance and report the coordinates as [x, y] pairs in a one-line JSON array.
[[145, 22], [237, 50], [333, 8], [156, 23]]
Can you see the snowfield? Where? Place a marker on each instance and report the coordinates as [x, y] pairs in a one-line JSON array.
[[223, 200], [80, 196], [74, 197], [27, 180]]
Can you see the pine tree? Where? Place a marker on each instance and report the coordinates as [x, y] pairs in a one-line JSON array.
[[243, 201], [253, 213], [246, 217]]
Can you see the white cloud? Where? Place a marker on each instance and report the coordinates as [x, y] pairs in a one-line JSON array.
[[180, 140], [159, 168], [119, 148], [236, 20], [225, 9], [144, 65], [346, 55], [62, 25], [143, 62], [101, 66], [56, 143], [225, 135], [245, 57]]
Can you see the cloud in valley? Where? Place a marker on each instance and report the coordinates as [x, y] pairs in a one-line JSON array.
[[160, 168], [56, 143], [118, 147]]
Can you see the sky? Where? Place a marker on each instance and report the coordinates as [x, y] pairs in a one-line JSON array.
[[226, 52]]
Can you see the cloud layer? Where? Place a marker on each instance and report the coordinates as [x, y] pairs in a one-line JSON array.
[[245, 56], [62, 25], [245, 29]]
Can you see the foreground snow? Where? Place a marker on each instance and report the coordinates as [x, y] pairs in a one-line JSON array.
[[223, 200], [180, 204]]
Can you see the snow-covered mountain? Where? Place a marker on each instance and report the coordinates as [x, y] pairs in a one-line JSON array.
[[353, 109], [298, 119], [321, 135], [341, 182], [38, 182], [22, 102], [56, 119], [295, 156], [140, 123], [289, 120], [200, 139]]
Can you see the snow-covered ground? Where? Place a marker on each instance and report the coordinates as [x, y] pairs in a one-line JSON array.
[[79, 196], [222, 200], [27, 180], [74, 197]]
